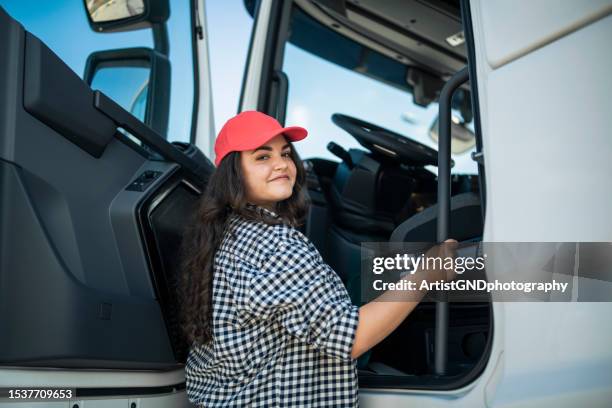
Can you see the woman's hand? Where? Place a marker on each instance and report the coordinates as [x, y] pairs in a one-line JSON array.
[[447, 249]]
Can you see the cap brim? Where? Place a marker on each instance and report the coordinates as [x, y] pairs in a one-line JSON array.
[[292, 133]]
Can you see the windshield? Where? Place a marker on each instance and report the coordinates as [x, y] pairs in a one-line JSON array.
[[329, 73]]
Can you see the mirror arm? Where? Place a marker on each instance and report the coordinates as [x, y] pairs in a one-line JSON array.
[[160, 38], [148, 136]]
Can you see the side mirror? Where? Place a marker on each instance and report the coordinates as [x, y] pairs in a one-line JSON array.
[[125, 15], [138, 79], [462, 137]]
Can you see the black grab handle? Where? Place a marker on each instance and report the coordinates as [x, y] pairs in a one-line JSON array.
[[444, 196]]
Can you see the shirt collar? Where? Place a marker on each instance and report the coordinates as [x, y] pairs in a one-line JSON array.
[[262, 210]]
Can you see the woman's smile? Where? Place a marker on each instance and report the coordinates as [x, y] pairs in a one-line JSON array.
[[281, 178]]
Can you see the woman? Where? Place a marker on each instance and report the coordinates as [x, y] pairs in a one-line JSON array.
[[269, 323]]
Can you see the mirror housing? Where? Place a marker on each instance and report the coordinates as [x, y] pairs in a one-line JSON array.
[[142, 73], [425, 86], [107, 16]]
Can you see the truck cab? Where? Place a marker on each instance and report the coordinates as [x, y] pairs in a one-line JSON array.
[[484, 114]]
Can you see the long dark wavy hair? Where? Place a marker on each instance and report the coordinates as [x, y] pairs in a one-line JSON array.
[[224, 195]]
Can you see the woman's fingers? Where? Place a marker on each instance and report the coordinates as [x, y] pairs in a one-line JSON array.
[[450, 249]]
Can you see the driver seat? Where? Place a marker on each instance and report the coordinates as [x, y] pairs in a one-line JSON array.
[[354, 195]]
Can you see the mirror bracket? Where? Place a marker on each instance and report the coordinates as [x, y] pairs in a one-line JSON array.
[[478, 157], [160, 38]]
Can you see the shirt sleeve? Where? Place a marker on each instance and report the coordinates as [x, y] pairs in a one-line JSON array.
[[298, 290]]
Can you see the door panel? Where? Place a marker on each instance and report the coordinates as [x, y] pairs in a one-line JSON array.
[[547, 109], [515, 31]]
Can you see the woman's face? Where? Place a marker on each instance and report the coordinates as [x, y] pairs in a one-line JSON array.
[[269, 172]]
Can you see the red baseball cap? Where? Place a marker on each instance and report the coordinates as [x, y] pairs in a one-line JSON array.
[[250, 129]]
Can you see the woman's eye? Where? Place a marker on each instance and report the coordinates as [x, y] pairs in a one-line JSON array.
[[267, 156]]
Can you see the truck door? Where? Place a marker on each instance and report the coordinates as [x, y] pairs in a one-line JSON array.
[[93, 202]]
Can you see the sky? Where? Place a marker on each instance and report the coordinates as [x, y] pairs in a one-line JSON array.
[[229, 32]]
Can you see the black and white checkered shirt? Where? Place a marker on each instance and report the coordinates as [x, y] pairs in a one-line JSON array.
[[283, 325]]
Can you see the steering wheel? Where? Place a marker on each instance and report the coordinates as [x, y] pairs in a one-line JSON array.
[[384, 142]]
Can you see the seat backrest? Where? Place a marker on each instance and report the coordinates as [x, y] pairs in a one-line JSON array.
[[466, 221]]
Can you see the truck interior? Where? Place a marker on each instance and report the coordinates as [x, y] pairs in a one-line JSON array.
[[91, 222]]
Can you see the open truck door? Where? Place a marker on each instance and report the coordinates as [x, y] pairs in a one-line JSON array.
[[93, 202]]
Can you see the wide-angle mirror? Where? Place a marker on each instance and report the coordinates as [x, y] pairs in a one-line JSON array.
[[107, 16], [113, 10], [128, 86]]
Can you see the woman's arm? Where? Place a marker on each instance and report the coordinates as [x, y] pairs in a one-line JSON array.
[[381, 316], [376, 321]]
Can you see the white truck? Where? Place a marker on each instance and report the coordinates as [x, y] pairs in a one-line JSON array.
[[94, 196]]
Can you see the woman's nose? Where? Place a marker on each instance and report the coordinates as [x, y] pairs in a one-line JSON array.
[[280, 163]]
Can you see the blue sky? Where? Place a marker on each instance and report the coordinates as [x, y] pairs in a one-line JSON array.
[[229, 32]]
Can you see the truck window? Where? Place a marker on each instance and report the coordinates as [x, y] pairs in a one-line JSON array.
[[128, 86]]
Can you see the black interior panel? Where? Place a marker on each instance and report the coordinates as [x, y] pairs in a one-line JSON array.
[[163, 224], [54, 94]]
